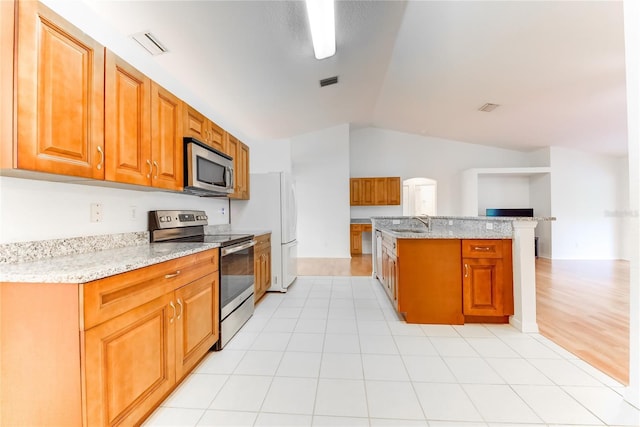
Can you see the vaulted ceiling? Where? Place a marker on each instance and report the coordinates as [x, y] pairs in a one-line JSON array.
[[556, 68]]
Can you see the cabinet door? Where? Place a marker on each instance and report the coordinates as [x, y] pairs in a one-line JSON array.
[[130, 363], [217, 136], [355, 191], [266, 284], [231, 148], [195, 124], [166, 139], [380, 191], [368, 191], [482, 286], [356, 242], [240, 153], [60, 95], [393, 280], [393, 191], [258, 274], [242, 175], [196, 321], [127, 123]]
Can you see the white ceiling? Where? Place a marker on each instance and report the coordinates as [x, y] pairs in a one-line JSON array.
[[555, 67]]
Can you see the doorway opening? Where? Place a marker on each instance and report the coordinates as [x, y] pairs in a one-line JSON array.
[[419, 197]]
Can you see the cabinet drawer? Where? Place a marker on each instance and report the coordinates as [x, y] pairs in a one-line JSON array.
[[484, 248], [356, 227], [366, 227], [109, 297]]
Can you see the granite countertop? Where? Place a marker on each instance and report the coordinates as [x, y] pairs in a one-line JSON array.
[[360, 220], [440, 234], [85, 267]]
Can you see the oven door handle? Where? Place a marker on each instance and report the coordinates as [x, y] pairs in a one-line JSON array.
[[237, 248]]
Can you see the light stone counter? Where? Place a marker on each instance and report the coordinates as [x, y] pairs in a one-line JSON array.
[[83, 259]]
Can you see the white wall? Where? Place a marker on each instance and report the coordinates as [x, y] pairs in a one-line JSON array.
[[496, 191], [540, 200], [41, 210], [382, 152], [632, 62], [321, 172], [270, 156], [584, 199]]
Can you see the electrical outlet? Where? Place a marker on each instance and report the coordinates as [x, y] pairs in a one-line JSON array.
[[133, 213], [95, 210], [489, 226]]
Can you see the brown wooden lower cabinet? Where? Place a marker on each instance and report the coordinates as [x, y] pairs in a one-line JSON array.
[[262, 266], [113, 364], [355, 237], [449, 281]]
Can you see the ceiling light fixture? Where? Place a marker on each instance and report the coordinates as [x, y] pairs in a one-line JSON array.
[[323, 27]]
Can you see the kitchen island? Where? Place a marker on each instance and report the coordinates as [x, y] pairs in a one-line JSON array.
[[455, 269]]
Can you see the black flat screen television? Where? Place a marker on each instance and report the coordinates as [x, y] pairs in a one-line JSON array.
[[510, 212]]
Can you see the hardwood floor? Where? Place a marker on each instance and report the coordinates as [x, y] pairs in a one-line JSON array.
[[357, 265], [583, 306]]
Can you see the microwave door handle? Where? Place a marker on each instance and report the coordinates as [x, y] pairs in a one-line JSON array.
[[231, 177]]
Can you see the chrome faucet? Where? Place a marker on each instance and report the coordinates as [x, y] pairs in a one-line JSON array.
[[426, 220]]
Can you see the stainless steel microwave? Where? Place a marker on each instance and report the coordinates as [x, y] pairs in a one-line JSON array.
[[207, 172]]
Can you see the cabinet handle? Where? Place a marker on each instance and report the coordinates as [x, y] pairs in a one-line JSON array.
[[157, 169], [174, 311], [150, 168], [481, 248], [180, 304], [101, 158], [172, 275], [466, 270]]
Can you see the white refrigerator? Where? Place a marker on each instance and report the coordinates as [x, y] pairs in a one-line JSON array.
[[272, 206]]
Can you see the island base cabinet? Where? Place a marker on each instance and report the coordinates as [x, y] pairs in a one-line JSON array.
[[487, 281], [428, 281], [130, 363]]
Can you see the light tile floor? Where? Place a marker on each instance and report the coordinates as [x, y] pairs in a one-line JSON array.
[[332, 352]]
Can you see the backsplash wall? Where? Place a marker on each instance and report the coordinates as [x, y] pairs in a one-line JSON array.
[[42, 210]]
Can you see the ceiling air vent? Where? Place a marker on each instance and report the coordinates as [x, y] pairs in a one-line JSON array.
[[488, 107], [329, 81], [150, 43]]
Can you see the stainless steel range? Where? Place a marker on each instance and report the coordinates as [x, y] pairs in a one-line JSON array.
[[236, 263]]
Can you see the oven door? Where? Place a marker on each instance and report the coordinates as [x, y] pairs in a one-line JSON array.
[[236, 276]]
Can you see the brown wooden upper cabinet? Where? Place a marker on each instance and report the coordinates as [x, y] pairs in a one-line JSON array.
[[374, 191], [143, 129], [81, 111], [127, 131], [201, 128], [59, 96], [240, 153]]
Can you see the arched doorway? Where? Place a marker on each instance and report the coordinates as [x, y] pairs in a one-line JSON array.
[[419, 196]]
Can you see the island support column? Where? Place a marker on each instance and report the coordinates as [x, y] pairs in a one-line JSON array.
[[524, 277]]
